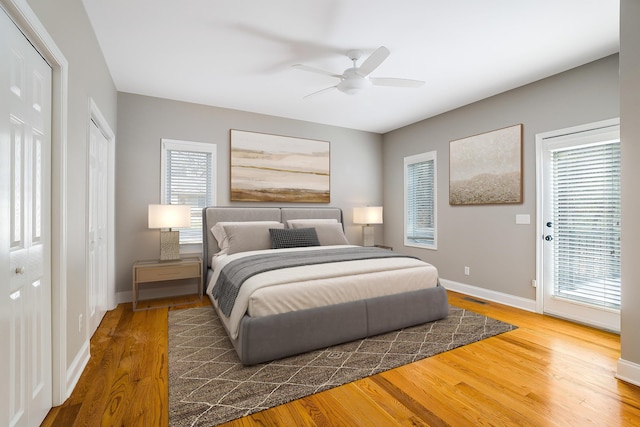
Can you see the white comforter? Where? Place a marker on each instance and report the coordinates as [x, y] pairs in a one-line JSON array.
[[299, 288]]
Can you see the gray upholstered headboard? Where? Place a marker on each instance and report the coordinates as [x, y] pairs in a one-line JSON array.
[[212, 215]]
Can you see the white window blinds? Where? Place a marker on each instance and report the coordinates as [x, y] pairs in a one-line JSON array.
[[586, 209], [420, 200], [189, 179]]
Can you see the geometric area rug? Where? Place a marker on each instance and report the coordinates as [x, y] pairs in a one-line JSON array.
[[208, 385]]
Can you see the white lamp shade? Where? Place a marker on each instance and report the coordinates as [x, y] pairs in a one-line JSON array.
[[169, 216], [367, 215]]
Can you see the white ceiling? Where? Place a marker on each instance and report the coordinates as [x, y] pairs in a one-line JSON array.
[[239, 53]]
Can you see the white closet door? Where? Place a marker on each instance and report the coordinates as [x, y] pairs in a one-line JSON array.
[[25, 233], [98, 227]]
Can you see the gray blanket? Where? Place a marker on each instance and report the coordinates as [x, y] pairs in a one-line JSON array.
[[234, 274]]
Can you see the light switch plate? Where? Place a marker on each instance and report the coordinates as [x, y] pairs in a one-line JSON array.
[[523, 219]]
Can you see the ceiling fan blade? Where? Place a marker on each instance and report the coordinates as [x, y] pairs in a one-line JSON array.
[[321, 91], [316, 70], [373, 61], [388, 81]]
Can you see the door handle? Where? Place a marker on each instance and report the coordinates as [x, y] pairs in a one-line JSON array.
[[19, 270]]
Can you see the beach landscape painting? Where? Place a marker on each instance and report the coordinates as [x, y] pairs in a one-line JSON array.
[[486, 168], [275, 168]]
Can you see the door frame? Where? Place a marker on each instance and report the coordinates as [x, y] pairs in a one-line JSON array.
[[540, 137], [27, 21]]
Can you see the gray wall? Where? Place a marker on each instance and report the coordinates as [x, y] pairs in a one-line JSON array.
[[68, 25], [356, 162], [630, 136], [501, 255]]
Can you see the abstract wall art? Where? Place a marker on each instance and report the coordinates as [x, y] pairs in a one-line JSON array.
[[275, 168], [486, 168]]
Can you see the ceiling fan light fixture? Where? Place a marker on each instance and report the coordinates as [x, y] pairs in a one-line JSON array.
[[353, 86], [356, 79]]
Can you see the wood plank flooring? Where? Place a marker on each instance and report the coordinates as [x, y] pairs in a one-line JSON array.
[[548, 372]]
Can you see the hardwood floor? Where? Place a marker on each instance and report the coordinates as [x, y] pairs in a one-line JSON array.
[[548, 372]]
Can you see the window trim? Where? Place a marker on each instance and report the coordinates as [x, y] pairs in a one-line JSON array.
[[201, 147], [413, 159]]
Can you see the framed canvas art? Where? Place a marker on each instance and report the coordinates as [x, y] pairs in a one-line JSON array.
[[486, 168], [275, 168]]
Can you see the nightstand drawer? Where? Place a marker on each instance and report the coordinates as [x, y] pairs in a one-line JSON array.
[[149, 272], [168, 272]]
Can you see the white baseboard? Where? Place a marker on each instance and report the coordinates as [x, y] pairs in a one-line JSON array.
[[77, 367], [628, 372], [499, 297], [160, 292]]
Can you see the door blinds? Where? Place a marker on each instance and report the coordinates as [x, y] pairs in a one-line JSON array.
[[586, 212]]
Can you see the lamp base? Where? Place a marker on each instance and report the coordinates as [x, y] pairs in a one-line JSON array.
[[368, 233], [169, 245]]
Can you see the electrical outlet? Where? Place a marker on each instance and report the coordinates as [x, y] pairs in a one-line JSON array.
[[466, 271], [80, 322]]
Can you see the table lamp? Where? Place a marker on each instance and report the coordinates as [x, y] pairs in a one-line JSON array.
[[367, 216], [169, 216]]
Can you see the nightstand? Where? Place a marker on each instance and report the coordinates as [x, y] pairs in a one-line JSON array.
[[146, 272]]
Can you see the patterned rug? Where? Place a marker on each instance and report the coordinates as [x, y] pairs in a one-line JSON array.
[[208, 385]]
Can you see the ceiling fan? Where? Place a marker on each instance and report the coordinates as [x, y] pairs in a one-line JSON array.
[[356, 79]]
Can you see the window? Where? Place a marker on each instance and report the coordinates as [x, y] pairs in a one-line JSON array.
[[188, 178], [420, 186]]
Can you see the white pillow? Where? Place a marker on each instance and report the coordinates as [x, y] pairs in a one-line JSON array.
[[243, 237], [220, 234], [328, 233], [310, 222]]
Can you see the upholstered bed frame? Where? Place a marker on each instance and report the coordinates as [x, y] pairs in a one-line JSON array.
[[272, 337]]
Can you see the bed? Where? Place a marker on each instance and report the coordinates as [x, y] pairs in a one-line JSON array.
[[323, 290]]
